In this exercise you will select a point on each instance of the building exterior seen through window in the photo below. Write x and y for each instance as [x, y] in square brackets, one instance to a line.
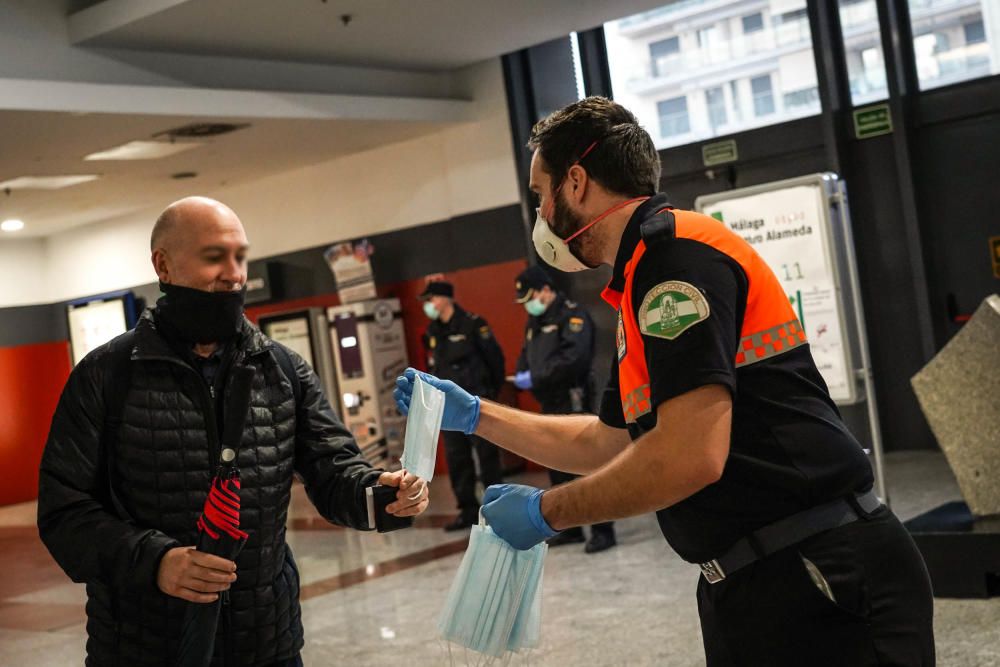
[955, 40]
[696, 69]
[863, 48]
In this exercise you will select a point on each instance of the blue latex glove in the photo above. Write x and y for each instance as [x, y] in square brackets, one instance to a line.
[461, 409]
[522, 380]
[514, 512]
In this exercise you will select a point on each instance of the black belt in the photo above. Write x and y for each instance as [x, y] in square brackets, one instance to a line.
[789, 531]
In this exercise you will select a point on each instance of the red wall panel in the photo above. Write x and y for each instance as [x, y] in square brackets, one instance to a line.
[31, 380]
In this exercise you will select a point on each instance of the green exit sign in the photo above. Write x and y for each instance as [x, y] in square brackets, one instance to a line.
[720, 152]
[872, 121]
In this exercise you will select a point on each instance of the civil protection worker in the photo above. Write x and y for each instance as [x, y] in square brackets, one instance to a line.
[715, 418]
[555, 365]
[461, 347]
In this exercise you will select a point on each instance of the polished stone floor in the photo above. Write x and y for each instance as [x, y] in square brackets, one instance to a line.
[374, 599]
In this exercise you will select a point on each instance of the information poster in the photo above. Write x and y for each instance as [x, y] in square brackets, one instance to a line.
[351, 265]
[789, 228]
[94, 324]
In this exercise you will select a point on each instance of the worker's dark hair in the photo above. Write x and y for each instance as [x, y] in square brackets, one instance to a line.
[623, 160]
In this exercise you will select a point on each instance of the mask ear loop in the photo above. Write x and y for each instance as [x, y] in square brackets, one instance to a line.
[596, 220]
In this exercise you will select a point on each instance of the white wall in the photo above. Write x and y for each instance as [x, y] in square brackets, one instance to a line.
[34, 44]
[23, 272]
[461, 169]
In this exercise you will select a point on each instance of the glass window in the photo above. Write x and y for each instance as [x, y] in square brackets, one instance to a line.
[863, 50]
[661, 52]
[763, 98]
[715, 100]
[975, 32]
[734, 96]
[804, 98]
[955, 40]
[753, 23]
[673, 117]
[574, 43]
[714, 40]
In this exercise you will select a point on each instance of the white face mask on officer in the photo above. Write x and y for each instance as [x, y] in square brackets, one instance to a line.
[554, 250]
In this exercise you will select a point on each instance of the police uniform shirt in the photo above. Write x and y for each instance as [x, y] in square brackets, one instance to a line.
[558, 350]
[686, 323]
[464, 350]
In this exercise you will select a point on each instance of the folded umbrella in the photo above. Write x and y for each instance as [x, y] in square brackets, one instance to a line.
[219, 531]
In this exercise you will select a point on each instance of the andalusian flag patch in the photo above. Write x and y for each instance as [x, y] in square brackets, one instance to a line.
[671, 308]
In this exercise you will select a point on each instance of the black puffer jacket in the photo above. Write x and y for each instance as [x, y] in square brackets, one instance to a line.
[164, 457]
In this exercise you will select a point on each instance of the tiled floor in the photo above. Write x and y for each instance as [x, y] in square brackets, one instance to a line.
[374, 599]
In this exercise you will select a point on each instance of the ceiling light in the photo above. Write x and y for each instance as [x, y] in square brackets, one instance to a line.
[11, 225]
[143, 150]
[46, 182]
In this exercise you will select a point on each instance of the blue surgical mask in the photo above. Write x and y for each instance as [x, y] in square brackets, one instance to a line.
[535, 307]
[423, 426]
[430, 311]
[494, 605]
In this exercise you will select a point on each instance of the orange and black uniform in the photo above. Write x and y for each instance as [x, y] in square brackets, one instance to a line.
[698, 306]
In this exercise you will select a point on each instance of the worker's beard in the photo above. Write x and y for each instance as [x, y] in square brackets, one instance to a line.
[567, 222]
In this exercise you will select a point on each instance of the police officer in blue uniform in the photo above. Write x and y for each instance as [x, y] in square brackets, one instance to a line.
[555, 365]
[461, 347]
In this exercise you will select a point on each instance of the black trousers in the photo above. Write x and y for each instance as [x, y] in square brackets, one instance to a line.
[560, 477]
[462, 468]
[774, 613]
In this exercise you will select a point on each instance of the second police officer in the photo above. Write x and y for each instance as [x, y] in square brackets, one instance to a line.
[460, 346]
[555, 365]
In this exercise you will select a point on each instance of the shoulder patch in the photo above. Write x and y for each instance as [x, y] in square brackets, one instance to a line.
[484, 331]
[576, 324]
[671, 308]
[432, 342]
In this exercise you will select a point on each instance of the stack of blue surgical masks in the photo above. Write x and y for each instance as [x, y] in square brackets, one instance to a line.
[423, 426]
[495, 603]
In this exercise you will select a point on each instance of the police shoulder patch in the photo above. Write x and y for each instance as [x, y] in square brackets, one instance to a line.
[671, 308]
[576, 324]
[484, 331]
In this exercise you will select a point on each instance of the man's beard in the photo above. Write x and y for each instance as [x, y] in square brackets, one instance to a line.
[567, 222]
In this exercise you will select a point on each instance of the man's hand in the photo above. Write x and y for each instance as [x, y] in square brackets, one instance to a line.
[191, 575]
[413, 495]
[461, 409]
[514, 513]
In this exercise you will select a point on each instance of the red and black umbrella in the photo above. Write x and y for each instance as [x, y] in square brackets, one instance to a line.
[219, 531]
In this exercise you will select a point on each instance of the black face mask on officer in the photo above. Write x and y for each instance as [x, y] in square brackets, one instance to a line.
[197, 316]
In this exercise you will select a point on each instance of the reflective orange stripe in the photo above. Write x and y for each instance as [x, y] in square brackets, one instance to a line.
[774, 341]
[770, 326]
[636, 404]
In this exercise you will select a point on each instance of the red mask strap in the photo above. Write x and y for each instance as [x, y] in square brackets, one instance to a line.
[596, 220]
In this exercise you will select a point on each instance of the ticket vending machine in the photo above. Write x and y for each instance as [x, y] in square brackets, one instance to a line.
[305, 332]
[370, 352]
